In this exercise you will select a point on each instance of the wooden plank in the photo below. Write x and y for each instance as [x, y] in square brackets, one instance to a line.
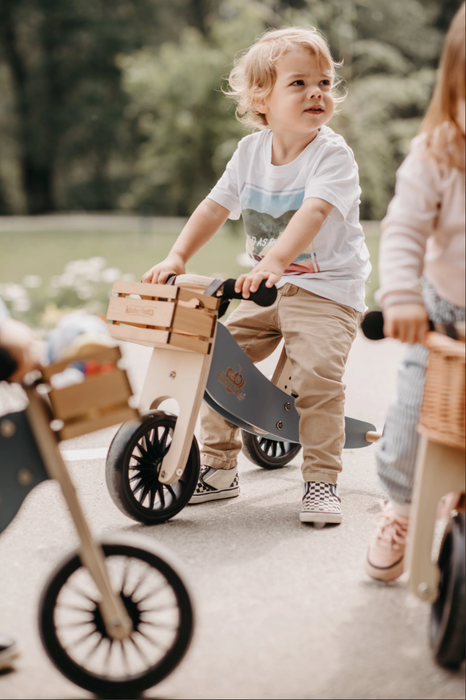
[189, 342]
[108, 354]
[92, 394]
[105, 420]
[195, 321]
[208, 302]
[162, 291]
[142, 336]
[141, 311]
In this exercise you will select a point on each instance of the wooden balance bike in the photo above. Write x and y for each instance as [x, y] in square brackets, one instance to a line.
[440, 470]
[115, 617]
[152, 468]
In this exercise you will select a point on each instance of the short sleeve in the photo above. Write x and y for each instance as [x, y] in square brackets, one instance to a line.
[225, 191]
[335, 180]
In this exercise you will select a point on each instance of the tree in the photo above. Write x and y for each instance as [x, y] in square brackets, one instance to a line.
[66, 86]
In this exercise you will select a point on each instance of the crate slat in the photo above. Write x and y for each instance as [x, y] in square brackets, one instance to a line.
[163, 291]
[141, 311]
[95, 392]
[143, 336]
[110, 354]
[189, 342]
[82, 427]
[208, 302]
[194, 321]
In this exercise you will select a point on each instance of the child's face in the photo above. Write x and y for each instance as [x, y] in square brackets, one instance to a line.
[301, 100]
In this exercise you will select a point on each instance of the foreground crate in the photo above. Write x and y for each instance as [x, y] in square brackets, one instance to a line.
[101, 400]
[158, 315]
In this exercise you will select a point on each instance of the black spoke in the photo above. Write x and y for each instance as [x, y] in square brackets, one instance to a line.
[160, 625]
[139, 650]
[107, 656]
[151, 593]
[76, 608]
[93, 649]
[161, 494]
[150, 640]
[80, 640]
[125, 656]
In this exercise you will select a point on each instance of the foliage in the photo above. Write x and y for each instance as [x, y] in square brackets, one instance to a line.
[188, 132]
[120, 104]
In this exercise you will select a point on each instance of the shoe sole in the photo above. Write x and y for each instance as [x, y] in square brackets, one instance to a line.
[8, 657]
[214, 496]
[390, 573]
[321, 518]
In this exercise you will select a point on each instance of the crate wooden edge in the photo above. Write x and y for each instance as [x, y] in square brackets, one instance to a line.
[83, 427]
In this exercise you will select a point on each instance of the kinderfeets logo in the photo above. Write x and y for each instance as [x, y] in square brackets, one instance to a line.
[232, 381]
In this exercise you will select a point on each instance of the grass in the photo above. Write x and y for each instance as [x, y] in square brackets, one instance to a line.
[37, 260]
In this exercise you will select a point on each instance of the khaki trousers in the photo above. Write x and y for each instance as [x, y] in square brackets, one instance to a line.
[318, 334]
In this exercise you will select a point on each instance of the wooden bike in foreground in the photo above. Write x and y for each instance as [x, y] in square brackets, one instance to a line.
[115, 616]
[152, 469]
[440, 470]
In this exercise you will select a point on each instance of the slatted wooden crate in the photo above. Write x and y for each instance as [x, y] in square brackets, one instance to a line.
[97, 402]
[443, 409]
[159, 315]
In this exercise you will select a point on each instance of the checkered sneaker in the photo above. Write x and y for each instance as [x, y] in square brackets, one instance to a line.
[215, 484]
[320, 503]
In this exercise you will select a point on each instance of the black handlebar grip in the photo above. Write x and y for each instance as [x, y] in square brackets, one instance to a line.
[7, 365]
[372, 325]
[265, 296]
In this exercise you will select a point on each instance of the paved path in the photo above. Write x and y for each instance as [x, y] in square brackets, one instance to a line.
[283, 610]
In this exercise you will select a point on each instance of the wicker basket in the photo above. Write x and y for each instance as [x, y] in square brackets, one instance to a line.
[442, 417]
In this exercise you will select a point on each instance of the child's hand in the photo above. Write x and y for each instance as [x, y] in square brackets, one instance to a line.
[23, 344]
[173, 265]
[265, 270]
[406, 322]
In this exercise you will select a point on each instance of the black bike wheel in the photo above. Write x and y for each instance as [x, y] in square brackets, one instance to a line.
[267, 453]
[447, 620]
[133, 465]
[74, 635]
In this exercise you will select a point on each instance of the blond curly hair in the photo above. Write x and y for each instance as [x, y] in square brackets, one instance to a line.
[254, 73]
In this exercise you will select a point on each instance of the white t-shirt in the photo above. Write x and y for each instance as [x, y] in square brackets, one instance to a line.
[336, 264]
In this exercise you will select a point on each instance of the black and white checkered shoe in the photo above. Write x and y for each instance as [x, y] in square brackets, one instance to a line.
[215, 484]
[320, 504]
[8, 653]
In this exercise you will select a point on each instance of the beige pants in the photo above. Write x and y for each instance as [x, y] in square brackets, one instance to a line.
[318, 334]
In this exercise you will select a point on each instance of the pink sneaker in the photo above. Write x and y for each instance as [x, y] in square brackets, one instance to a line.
[387, 549]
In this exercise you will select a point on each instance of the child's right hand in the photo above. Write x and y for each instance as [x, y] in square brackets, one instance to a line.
[406, 322]
[173, 265]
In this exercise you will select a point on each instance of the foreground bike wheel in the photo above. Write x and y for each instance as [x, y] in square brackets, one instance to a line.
[267, 453]
[74, 634]
[447, 620]
[133, 465]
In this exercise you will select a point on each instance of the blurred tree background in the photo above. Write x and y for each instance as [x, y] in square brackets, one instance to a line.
[118, 105]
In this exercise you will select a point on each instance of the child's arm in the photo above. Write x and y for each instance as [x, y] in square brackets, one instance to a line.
[200, 228]
[300, 232]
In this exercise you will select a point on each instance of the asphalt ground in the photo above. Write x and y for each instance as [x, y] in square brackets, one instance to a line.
[282, 610]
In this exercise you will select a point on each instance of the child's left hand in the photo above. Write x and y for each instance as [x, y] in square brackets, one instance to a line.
[268, 270]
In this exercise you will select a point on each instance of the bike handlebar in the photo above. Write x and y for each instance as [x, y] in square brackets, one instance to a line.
[265, 296]
[372, 327]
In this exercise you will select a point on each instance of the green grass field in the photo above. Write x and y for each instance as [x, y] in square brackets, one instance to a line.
[45, 273]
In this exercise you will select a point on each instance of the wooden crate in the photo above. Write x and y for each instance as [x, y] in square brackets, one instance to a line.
[99, 401]
[443, 408]
[159, 315]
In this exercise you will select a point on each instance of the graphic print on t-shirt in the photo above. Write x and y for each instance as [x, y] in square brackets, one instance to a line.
[266, 214]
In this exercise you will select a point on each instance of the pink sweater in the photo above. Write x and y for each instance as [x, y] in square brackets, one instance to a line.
[423, 232]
